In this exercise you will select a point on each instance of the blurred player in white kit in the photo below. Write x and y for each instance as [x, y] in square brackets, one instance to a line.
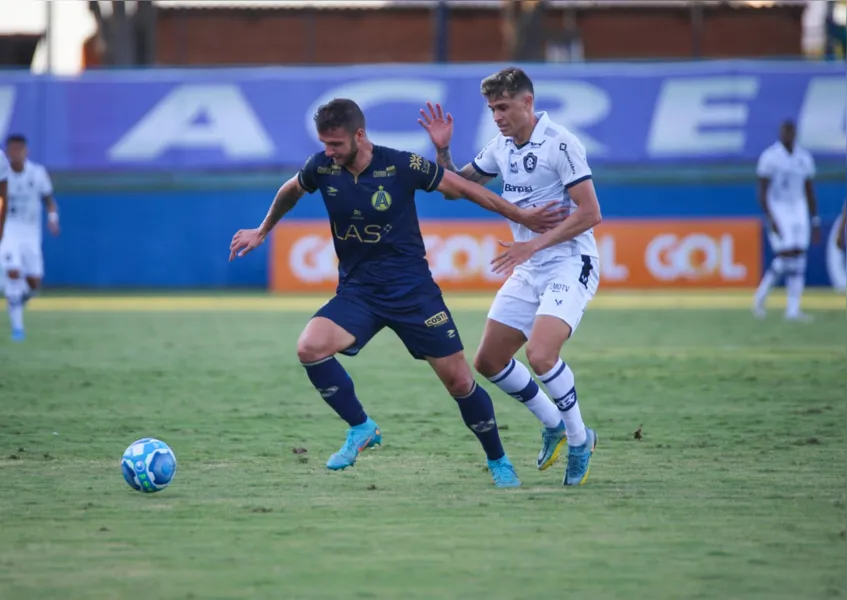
[29, 189]
[4, 186]
[787, 196]
[554, 275]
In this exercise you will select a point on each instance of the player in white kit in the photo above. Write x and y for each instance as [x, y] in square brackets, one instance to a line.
[4, 186]
[20, 249]
[554, 275]
[787, 197]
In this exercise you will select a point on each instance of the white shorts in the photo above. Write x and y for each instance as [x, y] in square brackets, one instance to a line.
[561, 290]
[23, 254]
[795, 232]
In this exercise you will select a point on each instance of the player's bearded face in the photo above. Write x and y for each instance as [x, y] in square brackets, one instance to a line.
[341, 147]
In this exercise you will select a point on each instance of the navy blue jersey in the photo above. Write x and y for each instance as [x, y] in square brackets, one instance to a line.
[374, 223]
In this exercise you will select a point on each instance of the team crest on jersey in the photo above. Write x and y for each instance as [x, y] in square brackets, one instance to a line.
[529, 162]
[381, 200]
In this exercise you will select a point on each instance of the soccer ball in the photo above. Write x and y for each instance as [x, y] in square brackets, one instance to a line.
[148, 465]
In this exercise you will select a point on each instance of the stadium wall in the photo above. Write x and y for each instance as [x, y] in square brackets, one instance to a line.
[180, 239]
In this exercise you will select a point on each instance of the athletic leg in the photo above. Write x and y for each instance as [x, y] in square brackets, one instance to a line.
[16, 287]
[340, 326]
[430, 333]
[795, 272]
[509, 324]
[563, 304]
[477, 412]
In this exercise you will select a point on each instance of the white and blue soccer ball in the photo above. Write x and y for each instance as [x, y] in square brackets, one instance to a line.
[148, 465]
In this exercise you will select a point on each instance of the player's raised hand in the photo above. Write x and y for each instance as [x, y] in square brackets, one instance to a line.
[438, 126]
[516, 253]
[244, 241]
[543, 218]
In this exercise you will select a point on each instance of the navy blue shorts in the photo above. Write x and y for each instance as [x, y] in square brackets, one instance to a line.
[428, 330]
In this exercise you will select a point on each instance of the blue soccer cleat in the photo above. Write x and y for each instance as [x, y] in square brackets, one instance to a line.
[366, 435]
[552, 440]
[503, 472]
[18, 335]
[579, 460]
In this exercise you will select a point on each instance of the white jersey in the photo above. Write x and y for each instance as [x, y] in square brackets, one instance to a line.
[540, 171]
[788, 174]
[26, 205]
[4, 167]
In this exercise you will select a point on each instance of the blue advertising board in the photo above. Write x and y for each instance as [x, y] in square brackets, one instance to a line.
[218, 119]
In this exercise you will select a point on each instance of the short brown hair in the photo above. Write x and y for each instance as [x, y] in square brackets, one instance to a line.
[340, 113]
[507, 83]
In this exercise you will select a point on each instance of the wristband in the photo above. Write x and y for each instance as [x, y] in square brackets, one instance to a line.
[53, 217]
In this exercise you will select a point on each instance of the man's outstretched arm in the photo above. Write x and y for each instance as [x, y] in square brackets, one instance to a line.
[538, 219]
[246, 240]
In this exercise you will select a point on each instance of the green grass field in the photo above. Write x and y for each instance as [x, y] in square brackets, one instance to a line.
[737, 490]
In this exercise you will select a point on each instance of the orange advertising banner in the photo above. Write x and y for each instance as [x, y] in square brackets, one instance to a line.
[633, 254]
[680, 253]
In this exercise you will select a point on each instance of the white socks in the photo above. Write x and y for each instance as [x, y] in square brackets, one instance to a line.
[517, 381]
[559, 381]
[795, 281]
[794, 269]
[771, 278]
[15, 290]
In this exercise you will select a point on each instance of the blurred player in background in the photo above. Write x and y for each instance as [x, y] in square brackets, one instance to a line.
[841, 236]
[787, 197]
[555, 274]
[384, 278]
[4, 186]
[20, 249]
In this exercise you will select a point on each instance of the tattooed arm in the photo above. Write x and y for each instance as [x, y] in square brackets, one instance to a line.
[445, 159]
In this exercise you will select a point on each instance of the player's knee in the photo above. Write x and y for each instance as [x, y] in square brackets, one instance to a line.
[311, 349]
[460, 385]
[33, 282]
[13, 274]
[541, 359]
[486, 364]
[457, 378]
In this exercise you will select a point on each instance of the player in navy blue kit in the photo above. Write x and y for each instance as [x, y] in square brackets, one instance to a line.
[383, 277]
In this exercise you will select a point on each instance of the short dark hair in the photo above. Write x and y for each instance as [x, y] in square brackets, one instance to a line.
[15, 137]
[507, 83]
[340, 113]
